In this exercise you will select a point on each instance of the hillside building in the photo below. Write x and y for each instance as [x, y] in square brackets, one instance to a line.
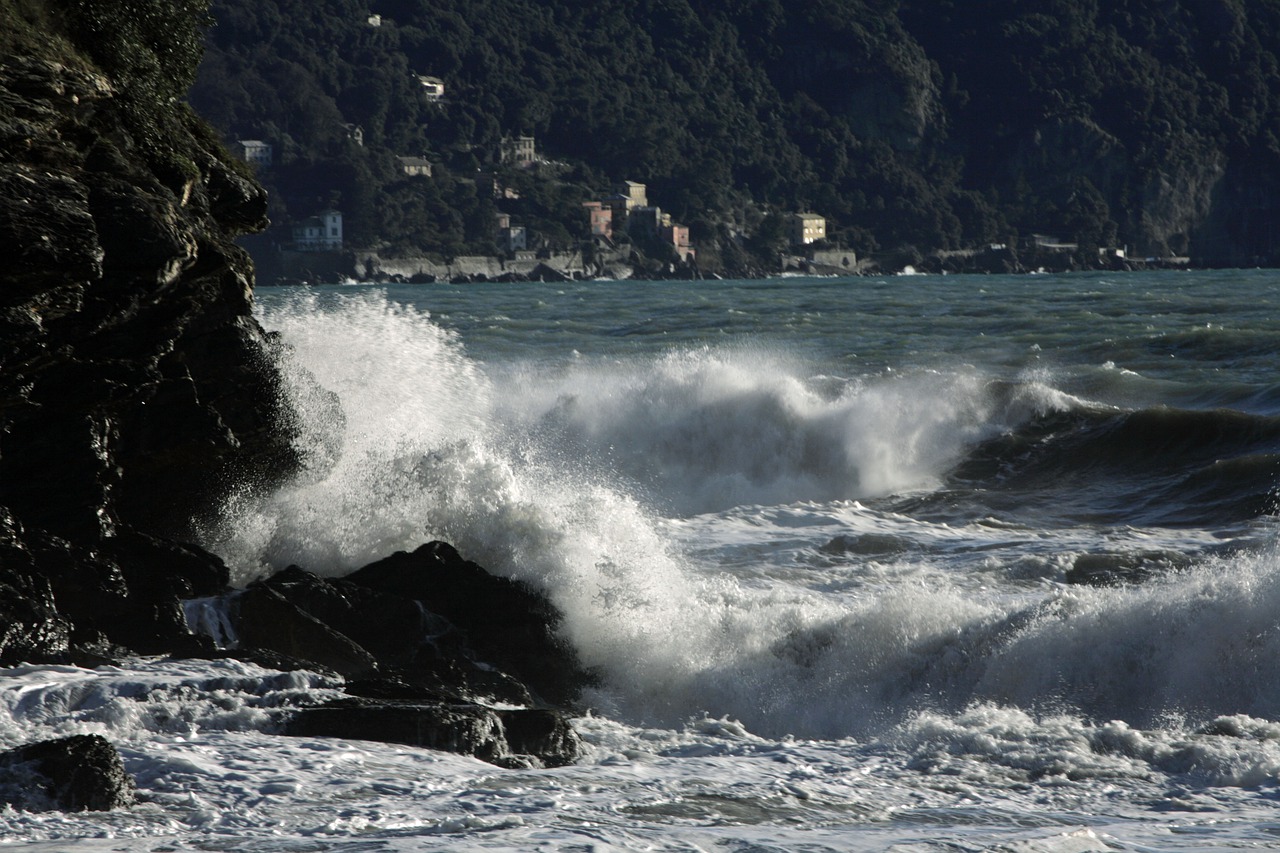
[254, 151]
[806, 228]
[635, 194]
[678, 237]
[415, 166]
[319, 233]
[521, 151]
[600, 219]
[432, 87]
[510, 238]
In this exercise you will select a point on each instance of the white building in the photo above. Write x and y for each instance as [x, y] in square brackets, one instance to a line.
[319, 233]
[432, 87]
[254, 151]
[415, 166]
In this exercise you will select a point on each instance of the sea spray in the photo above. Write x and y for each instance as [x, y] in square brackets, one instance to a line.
[560, 475]
[705, 429]
[375, 387]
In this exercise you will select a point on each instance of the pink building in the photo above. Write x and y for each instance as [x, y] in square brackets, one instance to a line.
[678, 235]
[601, 218]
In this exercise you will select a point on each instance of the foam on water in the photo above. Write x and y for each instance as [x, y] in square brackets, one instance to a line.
[557, 476]
[701, 430]
[195, 736]
[792, 661]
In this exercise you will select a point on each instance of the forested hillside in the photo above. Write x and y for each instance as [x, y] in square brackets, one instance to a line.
[910, 125]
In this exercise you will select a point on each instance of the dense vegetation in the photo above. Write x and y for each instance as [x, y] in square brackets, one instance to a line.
[911, 125]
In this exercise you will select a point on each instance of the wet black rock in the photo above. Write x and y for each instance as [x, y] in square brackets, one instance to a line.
[135, 386]
[266, 620]
[80, 773]
[522, 737]
[507, 624]
[429, 642]
[429, 620]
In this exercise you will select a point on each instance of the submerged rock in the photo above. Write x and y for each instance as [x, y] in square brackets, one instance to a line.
[80, 773]
[1123, 568]
[521, 737]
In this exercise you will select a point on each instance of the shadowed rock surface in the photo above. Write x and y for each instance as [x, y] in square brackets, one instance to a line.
[137, 391]
[426, 638]
[135, 385]
[75, 774]
[522, 737]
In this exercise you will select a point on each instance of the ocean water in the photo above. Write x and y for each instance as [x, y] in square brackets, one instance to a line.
[823, 540]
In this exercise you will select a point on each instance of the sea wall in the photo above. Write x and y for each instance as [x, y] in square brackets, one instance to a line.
[472, 267]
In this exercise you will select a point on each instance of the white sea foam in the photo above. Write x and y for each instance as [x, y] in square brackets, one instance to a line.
[425, 442]
[536, 473]
[965, 697]
[193, 736]
[707, 429]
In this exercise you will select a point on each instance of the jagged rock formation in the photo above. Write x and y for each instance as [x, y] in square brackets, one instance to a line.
[428, 642]
[137, 389]
[135, 385]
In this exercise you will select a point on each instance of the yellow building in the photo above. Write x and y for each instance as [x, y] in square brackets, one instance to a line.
[806, 228]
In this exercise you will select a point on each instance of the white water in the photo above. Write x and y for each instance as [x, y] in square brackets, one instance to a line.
[787, 663]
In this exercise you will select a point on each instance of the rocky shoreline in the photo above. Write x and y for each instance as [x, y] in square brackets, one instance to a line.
[321, 268]
[137, 389]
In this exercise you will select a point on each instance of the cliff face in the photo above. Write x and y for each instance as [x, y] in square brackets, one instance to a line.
[134, 382]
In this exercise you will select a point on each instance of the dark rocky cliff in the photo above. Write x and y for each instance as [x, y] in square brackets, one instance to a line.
[137, 390]
[134, 382]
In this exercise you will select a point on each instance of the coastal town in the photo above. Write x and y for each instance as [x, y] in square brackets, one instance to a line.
[619, 231]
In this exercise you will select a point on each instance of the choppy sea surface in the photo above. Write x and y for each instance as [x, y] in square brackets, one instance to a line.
[891, 564]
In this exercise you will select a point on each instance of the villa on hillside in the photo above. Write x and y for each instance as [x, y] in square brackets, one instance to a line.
[253, 151]
[806, 228]
[432, 87]
[521, 151]
[319, 233]
[415, 166]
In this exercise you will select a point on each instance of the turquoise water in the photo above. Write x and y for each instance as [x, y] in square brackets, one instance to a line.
[1212, 321]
